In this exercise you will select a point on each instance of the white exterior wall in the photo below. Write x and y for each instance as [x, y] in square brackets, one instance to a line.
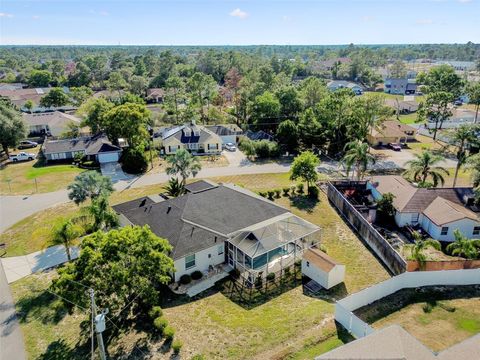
[327, 280]
[202, 261]
[465, 226]
[403, 219]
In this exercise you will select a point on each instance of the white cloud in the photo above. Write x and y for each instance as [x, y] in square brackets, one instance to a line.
[239, 13]
[6, 15]
[424, 22]
[104, 13]
[35, 17]
[368, 18]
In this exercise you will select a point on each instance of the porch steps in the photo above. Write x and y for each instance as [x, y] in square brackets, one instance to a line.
[206, 284]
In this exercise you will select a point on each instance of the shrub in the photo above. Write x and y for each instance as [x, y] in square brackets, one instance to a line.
[300, 188]
[155, 312]
[427, 308]
[134, 160]
[271, 276]
[262, 148]
[185, 279]
[169, 333]
[258, 282]
[286, 191]
[262, 194]
[235, 273]
[196, 275]
[278, 193]
[298, 263]
[177, 346]
[198, 357]
[270, 193]
[313, 192]
[286, 271]
[292, 189]
[160, 324]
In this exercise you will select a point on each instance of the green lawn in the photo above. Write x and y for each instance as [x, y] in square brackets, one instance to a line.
[29, 177]
[290, 326]
[408, 118]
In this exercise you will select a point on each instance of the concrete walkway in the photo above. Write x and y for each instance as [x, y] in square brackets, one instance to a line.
[17, 267]
[11, 338]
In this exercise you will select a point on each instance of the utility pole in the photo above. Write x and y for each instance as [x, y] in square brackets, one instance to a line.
[99, 324]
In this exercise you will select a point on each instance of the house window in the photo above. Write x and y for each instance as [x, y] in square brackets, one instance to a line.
[189, 261]
[308, 264]
[220, 249]
[476, 230]
[444, 230]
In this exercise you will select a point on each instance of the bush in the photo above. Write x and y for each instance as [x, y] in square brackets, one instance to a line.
[298, 263]
[286, 271]
[196, 275]
[198, 357]
[177, 346]
[278, 192]
[258, 282]
[286, 191]
[313, 192]
[271, 276]
[169, 333]
[160, 324]
[155, 312]
[300, 188]
[293, 188]
[185, 279]
[427, 308]
[262, 194]
[271, 194]
[134, 160]
[235, 273]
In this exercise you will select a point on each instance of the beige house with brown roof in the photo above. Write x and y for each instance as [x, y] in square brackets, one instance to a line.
[438, 211]
[56, 123]
[197, 139]
[391, 131]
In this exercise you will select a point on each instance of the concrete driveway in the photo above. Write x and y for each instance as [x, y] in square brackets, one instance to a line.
[236, 158]
[388, 159]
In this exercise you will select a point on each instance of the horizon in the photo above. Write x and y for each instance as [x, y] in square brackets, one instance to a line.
[238, 23]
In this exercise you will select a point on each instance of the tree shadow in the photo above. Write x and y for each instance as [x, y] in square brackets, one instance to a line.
[43, 306]
[331, 295]
[61, 350]
[304, 202]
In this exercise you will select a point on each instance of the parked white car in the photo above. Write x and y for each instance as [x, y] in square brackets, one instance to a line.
[230, 147]
[23, 156]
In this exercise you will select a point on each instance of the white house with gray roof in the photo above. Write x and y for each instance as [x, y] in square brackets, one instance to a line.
[197, 139]
[438, 211]
[215, 224]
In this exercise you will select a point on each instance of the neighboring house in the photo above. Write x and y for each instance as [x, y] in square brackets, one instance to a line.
[329, 64]
[400, 86]
[391, 131]
[229, 133]
[155, 95]
[438, 211]
[258, 135]
[12, 86]
[321, 268]
[458, 65]
[20, 96]
[404, 106]
[343, 84]
[197, 139]
[216, 224]
[54, 123]
[395, 343]
[97, 148]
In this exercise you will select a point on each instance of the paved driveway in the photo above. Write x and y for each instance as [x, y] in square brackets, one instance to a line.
[236, 158]
[387, 158]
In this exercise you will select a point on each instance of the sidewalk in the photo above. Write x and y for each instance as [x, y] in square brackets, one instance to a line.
[17, 267]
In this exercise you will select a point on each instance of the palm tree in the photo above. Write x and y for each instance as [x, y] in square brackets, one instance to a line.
[464, 247]
[89, 185]
[103, 216]
[423, 167]
[474, 166]
[184, 164]
[64, 233]
[421, 245]
[463, 135]
[357, 153]
[174, 188]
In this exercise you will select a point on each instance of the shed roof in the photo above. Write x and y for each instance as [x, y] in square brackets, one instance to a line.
[320, 259]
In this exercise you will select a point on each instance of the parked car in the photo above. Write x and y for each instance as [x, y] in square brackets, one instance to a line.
[230, 147]
[458, 102]
[23, 156]
[27, 144]
[395, 146]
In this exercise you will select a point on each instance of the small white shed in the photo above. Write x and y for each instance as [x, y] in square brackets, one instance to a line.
[321, 268]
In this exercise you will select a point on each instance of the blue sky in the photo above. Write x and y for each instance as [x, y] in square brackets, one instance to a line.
[241, 22]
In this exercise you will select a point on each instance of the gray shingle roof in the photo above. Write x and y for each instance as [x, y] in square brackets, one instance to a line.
[198, 220]
[180, 133]
[91, 145]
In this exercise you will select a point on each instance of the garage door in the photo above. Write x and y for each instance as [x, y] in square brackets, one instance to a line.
[107, 157]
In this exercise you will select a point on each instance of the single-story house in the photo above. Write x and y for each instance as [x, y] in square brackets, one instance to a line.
[391, 131]
[403, 106]
[438, 211]
[20, 96]
[395, 343]
[56, 123]
[258, 135]
[155, 95]
[197, 139]
[400, 86]
[223, 224]
[97, 148]
[321, 268]
[343, 84]
[229, 133]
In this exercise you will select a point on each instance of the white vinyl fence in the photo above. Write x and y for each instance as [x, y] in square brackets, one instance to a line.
[344, 308]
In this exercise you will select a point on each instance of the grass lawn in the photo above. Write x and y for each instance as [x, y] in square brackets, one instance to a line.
[408, 118]
[22, 177]
[290, 326]
[455, 312]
